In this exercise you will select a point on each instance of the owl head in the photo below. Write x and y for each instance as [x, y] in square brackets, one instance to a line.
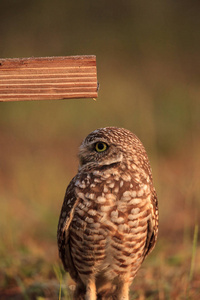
[109, 146]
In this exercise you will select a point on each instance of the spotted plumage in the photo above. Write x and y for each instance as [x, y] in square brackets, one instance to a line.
[109, 219]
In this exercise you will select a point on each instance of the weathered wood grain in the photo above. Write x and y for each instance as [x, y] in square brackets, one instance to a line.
[48, 78]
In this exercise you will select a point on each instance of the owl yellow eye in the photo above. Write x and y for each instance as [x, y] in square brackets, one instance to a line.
[100, 147]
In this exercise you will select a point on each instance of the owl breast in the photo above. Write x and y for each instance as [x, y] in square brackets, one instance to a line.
[109, 228]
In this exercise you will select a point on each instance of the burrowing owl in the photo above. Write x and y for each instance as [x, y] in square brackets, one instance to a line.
[109, 219]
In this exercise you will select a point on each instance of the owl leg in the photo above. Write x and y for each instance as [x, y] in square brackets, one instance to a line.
[79, 293]
[91, 290]
[122, 292]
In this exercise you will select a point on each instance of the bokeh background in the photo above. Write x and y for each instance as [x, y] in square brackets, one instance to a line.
[148, 66]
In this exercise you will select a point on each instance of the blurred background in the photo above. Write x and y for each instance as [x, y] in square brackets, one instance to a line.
[148, 66]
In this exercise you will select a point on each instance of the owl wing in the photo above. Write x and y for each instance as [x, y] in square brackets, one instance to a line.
[152, 226]
[66, 216]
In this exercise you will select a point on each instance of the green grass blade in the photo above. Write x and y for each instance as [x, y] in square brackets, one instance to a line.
[194, 248]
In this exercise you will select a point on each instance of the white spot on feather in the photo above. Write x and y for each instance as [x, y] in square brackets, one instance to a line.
[126, 177]
[135, 201]
[135, 211]
[92, 212]
[101, 200]
[105, 189]
[140, 193]
[121, 183]
[111, 185]
[105, 208]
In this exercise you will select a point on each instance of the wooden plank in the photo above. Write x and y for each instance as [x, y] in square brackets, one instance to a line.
[48, 78]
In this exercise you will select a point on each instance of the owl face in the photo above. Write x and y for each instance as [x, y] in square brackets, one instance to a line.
[106, 146]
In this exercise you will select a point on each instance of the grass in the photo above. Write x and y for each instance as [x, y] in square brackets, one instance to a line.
[194, 250]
